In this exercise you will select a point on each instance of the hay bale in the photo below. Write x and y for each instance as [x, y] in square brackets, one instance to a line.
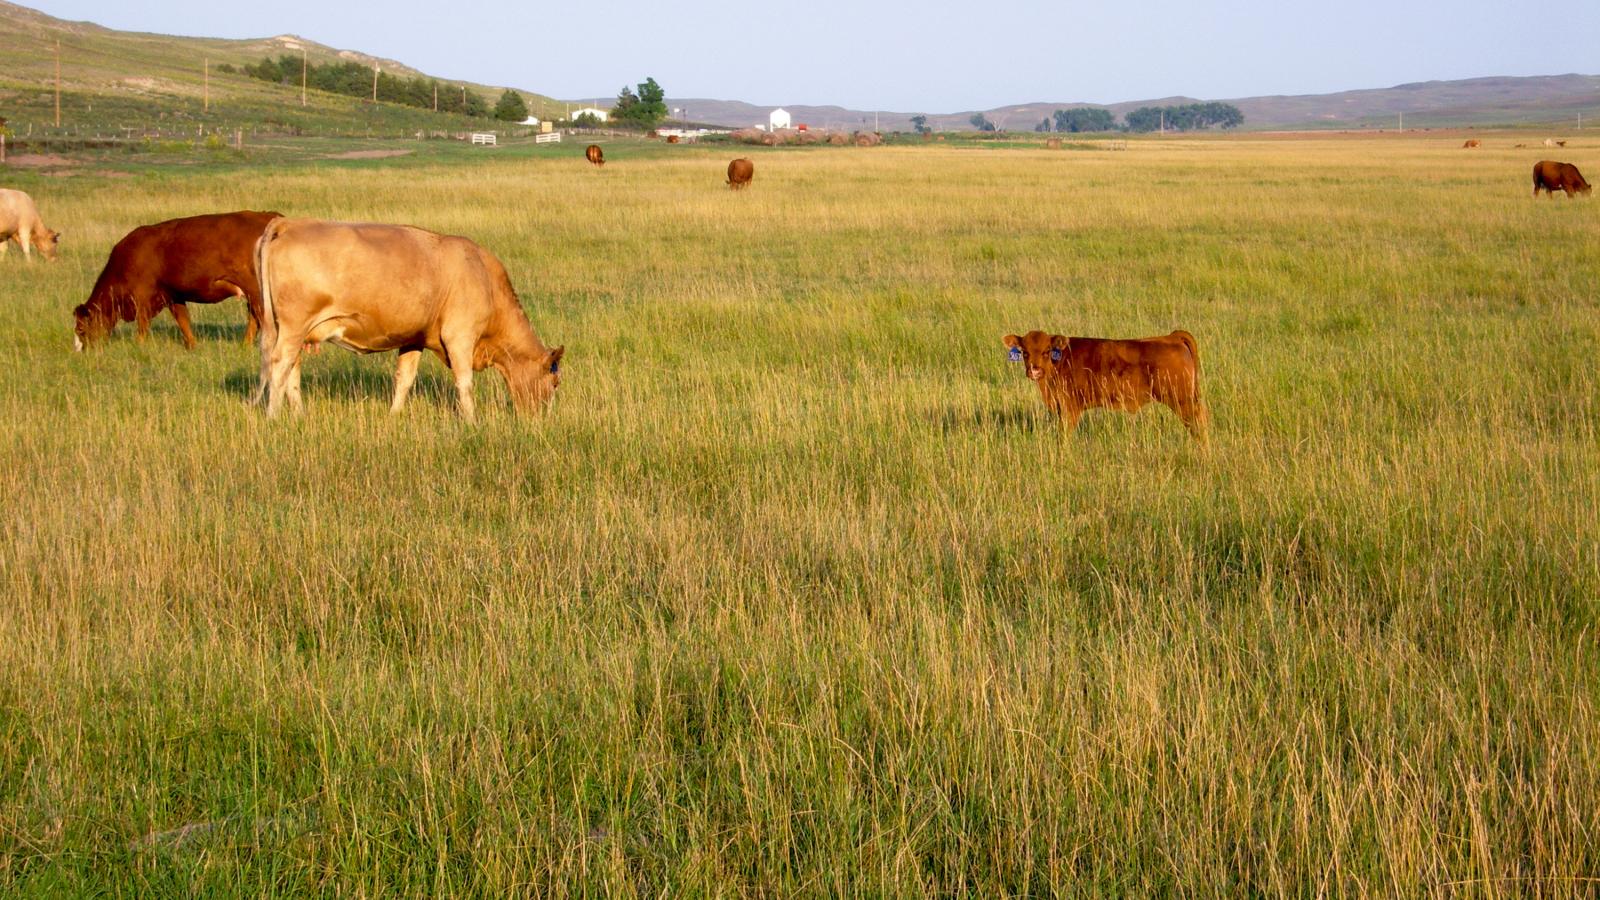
[867, 139]
[1053, 144]
[838, 139]
[748, 135]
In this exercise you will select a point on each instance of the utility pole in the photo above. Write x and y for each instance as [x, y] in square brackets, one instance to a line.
[1402, 121]
[374, 82]
[302, 76]
[207, 65]
[58, 84]
[436, 96]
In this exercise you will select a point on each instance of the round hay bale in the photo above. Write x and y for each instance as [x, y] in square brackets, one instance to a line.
[867, 139]
[838, 139]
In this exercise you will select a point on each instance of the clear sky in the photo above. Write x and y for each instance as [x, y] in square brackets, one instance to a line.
[937, 56]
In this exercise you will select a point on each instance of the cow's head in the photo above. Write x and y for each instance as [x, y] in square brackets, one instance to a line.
[88, 326]
[534, 384]
[1037, 351]
[45, 242]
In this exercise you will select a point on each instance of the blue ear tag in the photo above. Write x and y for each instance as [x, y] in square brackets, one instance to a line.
[555, 367]
[1055, 355]
[1015, 355]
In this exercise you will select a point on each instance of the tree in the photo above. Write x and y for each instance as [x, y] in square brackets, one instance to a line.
[645, 108]
[1084, 118]
[1189, 117]
[1043, 126]
[511, 108]
[981, 122]
[920, 123]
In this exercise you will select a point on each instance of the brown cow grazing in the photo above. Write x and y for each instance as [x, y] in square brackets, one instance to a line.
[1552, 176]
[1469, 145]
[20, 222]
[375, 288]
[595, 155]
[1075, 374]
[199, 259]
[740, 171]
[672, 139]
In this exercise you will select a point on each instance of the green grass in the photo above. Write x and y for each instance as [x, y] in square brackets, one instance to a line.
[796, 589]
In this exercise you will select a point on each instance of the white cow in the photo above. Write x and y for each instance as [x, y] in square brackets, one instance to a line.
[19, 221]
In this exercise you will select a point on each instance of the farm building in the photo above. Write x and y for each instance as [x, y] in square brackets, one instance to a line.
[595, 111]
[531, 120]
[778, 119]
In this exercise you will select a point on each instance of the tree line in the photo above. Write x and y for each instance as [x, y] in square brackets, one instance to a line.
[1190, 117]
[354, 79]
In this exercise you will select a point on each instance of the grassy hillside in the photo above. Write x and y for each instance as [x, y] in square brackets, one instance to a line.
[796, 589]
[112, 79]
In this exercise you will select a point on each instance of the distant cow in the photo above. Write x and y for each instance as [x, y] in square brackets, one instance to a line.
[1052, 144]
[595, 155]
[1470, 145]
[1549, 142]
[1075, 374]
[1552, 176]
[199, 259]
[20, 222]
[740, 171]
[672, 139]
[375, 288]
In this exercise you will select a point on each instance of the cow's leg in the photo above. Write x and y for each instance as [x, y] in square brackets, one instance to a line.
[1192, 412]
[180, 313]
[458, 352]
[252, 308]
[25, 239]
[1069, 418]
[405, 374]
[282, 360]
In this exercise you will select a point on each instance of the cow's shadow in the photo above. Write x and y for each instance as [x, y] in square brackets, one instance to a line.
[352, 378]
[216, 331]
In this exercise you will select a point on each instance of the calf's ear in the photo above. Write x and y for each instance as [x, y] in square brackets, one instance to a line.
[1011, 340]
[1059, 341]
[555, 357]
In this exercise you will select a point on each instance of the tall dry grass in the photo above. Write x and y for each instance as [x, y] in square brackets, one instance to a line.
[796, 589]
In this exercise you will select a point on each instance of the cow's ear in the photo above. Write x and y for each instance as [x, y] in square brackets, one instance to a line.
[555, 358]
[1059, 341]
[1011, 341]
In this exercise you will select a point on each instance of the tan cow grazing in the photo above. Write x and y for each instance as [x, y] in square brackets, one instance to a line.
[1052, 144]
[20, 222]
[1075, 374]
[740, 171]
[1552, 176]
[1470, 145]
[168, 265]
[594, 154]
[375, 288]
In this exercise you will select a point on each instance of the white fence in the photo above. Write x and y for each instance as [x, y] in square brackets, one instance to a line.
[553, 137]
[486, 139]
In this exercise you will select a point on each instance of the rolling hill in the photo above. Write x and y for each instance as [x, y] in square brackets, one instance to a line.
[113, 79]
[116, 79]
[1475, 102]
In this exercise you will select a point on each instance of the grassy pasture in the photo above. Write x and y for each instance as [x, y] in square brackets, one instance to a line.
[795, 589]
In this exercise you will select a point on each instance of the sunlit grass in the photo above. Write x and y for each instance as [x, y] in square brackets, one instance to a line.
[796, 587]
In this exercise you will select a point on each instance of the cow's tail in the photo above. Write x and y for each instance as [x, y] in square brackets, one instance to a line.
[1188, 341]
[269, 315]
